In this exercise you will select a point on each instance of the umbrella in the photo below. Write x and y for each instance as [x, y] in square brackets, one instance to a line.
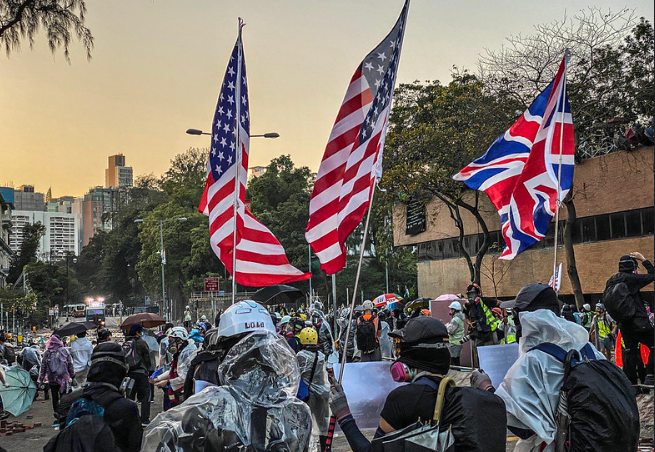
[386, 299]
[278, 294]
[147, 319]
[423, 302]
[448, 297]
[75, 328]
[19, 395]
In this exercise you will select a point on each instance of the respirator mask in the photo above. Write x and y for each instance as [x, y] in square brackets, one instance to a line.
[401, 373]
[173, 347]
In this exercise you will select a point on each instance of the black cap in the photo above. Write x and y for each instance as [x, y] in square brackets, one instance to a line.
[422, 329]
[627, 264]
[135, 328]
[535, 296]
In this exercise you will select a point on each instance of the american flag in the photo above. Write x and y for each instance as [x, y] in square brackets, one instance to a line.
[519, 172]
[353, 156]
[261, 259]
[556, 280]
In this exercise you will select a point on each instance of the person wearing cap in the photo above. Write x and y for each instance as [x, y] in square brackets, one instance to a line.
[606, 329]
[638, 329]
[455, 332]
[585, 316]
[531, 386]
[187, 317]
[478, 424]
[107, 371]
[139, 373]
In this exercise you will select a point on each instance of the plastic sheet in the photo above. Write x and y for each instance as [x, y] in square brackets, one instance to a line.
[255, 409]
[319, 388]
[367, 385]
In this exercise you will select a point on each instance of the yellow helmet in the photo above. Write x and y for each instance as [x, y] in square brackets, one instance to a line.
[303, 316]
[9, 336]
[308, 336]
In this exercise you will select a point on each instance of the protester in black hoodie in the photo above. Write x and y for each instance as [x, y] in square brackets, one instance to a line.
[105, 376]
[638, 330]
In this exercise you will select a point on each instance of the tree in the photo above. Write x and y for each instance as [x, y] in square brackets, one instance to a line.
[435, 131]
[32, 234]
[610, 75]
[60, 19]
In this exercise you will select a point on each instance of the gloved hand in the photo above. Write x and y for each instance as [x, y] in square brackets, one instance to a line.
[338, 402]
[480, 379]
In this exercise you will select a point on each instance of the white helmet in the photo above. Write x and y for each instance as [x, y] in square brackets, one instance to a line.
[455, 305]
[179, 332]
[245, 317]
[368, 305]
[586, 307]
[285, 319]
[187, 307]
[203, 318]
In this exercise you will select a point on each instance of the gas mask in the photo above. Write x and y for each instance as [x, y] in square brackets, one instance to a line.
[173, 347]
[401, 373]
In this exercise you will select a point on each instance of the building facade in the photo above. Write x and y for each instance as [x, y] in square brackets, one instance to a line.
[97, 208]
[6, 206]
[117, 175]
[60, 238]
[25, 198]
[613, 196]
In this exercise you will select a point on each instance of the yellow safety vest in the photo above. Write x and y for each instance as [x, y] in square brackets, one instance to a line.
[489, 317]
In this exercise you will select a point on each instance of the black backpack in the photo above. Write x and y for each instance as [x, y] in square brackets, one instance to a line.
[85, 428]
[366, 332]
[619, 302]
[601, 402]
[132, 358]
[10, 353]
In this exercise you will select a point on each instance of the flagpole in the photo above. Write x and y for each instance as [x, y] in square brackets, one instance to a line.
[237, 163]
[559, 166]
[359, 268]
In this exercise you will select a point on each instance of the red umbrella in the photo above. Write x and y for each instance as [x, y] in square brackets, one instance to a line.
[386, 299]
[147, 319]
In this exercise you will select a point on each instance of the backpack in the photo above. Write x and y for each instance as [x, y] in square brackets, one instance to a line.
[132, 358]
[619, 302]
[86, 429]
[58, 364]
[366, 331]
[10, 353]
[602, 409]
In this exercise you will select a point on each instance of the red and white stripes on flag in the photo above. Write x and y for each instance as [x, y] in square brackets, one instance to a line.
[353, 156]
[261, 259]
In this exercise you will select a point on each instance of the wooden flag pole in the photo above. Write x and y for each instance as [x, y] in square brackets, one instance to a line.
[359, 268]
[237, 164]
[567, 54]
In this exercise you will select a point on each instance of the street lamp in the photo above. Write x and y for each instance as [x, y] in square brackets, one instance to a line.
[265, 135]
[68, 300]
[162, 253]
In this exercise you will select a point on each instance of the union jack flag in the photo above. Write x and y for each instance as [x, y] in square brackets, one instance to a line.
[520, 171]
[353, 156]
[260, 259]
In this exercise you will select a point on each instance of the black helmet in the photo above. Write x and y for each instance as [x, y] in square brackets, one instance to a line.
[108, 352]
[103, 334]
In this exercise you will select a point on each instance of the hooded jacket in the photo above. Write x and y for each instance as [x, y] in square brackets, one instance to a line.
[531, 386]
[635, 282]
[55, 351]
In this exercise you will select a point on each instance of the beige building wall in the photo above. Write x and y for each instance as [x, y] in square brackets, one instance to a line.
[612, 183]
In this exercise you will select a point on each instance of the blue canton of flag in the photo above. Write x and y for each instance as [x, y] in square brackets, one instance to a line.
[224, 145]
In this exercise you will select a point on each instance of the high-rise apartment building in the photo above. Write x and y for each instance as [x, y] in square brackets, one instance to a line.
[97, 207]
[6, 204]
[117, 175]
[60, 238]
[25, 198]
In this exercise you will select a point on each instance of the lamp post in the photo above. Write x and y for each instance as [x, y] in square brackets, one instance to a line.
[264, 135]
[162, 253]
[68, 300]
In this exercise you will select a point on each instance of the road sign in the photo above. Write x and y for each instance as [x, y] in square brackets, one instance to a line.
[221, 293]
[51, 312]
[211, 284]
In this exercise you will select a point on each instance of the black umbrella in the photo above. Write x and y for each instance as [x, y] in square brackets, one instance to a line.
[422, 302]
[278, 294]
[75, 328]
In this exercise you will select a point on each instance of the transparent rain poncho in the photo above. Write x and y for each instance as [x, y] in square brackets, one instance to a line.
[319, 387]
[255, 410]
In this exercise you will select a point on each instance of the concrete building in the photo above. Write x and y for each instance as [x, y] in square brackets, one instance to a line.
[60, 238]
[6, 206]
[25, 198]
[97, 207]
[614, 201]
[63, 204]
[117, 175]
[256, 171]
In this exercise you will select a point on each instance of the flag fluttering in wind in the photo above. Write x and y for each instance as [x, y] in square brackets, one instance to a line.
[353, 156]
[520, 172]
[556, 280]
[260, 259]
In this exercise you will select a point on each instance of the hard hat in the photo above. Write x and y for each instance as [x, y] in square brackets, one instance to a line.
[9, 336]
[586, 307]
[426, 312]
[308, 336]
[474, 288]
[203, 318]
[187, 307]
[497, 311]
[455, 305]
[303, 316]
[108, 352]
[179, 332]
[245, 317]
[285, 319]
[278, 316]
[600, 307]
[368, 305]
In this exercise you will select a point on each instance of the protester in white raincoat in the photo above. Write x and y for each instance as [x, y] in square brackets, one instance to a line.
[531, 387]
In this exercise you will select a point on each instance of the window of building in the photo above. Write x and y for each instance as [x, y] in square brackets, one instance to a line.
[588, 226]
[617, 223]
[633, 223]
[647, 221]
[603, 227]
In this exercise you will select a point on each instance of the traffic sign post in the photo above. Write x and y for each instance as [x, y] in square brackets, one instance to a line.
[211, 286]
